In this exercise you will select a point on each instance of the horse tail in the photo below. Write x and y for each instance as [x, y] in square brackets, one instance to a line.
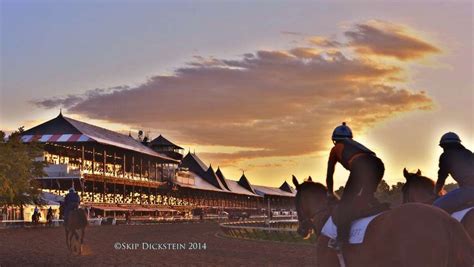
[462, 248]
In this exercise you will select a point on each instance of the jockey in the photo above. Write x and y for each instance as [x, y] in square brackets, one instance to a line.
[459, 162]
[71, 202]
[366, 171]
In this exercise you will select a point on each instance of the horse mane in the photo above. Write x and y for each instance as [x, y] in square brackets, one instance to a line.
[313, 187]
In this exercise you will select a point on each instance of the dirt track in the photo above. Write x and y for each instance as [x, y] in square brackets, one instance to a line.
[46, 247]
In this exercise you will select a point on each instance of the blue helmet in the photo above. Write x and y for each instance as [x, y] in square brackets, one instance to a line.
[341, 132]
[449, 137]
[72, 190]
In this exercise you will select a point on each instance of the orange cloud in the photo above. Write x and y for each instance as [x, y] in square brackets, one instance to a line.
[386, 39]
[275, 103]
[324, 42]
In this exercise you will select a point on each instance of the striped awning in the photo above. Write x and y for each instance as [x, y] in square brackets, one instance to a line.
[56, 138]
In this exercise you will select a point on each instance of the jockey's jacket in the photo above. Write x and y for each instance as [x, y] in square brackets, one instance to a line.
[459, 162]
[344, 152]
[72, 199]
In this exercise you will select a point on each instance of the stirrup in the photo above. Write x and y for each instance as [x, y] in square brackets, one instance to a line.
[335, 244]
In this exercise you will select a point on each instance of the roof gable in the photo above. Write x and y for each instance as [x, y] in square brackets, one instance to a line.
[221, 177]
[161, 141]
[244, 182]
[56, 126]
[286, 187]
[194, 164]
[212, 178]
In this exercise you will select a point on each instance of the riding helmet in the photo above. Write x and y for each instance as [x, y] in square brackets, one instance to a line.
[341, 132]
[449, 137]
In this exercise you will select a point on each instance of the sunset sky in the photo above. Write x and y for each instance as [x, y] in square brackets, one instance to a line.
[248, 86]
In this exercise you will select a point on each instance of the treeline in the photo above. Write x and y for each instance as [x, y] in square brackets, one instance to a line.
[393, 194]
[18, 170]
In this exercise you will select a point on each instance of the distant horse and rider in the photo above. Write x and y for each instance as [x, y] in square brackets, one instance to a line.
[75, 219]
[35, 217]
[393, 237]
[50, 216]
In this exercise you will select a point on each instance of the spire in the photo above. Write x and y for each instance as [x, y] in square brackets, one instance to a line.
[60, 113]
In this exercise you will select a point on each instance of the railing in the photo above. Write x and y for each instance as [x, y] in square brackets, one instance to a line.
[55, 223]
[282, 231]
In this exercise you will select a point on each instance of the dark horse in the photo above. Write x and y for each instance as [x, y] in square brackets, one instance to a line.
[419, 188]
[35, 217]
[412, 235]
[77, 220]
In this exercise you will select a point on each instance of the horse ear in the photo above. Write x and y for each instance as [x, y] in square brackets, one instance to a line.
[418, 172]
[406, 174]
[310, 179]
[295, 182]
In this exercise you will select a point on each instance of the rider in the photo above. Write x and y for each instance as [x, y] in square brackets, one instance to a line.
[366, 171]
[49, 216]
[71, 202]
[459, 162]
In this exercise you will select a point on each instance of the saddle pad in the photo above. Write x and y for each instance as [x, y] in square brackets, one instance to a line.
[358, 228]
[458, 215]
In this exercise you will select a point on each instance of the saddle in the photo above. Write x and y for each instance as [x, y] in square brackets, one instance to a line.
[463, 206]
[374, 208]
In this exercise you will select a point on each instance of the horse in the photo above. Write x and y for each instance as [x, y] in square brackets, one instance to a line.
[419, 188]
[76, 220]
[35, 217]
[49, 218]
[410, 235]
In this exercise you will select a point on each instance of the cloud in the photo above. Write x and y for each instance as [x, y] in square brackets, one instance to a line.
[71, 100]
[276, 103]
[292, 33]
[324, 42]
[386, 39]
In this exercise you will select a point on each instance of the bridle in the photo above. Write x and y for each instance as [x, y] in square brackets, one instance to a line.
[311, 221]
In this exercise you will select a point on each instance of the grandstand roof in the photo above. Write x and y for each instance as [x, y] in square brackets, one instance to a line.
[63, 130]
[207, 179]
[161, 141]
[267, 190]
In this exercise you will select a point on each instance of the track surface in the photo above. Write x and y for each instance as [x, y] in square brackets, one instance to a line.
[46, 247]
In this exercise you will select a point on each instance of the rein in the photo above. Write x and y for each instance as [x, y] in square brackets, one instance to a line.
[311, 221]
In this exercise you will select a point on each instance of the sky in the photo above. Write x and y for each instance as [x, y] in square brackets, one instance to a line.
[254, 86]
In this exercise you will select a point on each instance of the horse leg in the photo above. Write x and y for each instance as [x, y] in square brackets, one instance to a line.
[72, 233]
[83, 232]
[67, 238]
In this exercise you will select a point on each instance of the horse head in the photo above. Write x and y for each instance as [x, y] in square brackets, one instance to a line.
[418, 188]
[312, 206]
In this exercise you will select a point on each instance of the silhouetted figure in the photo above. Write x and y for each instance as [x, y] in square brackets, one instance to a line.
[366, 172]
[71, 202]
[458, 162]
[50, 215]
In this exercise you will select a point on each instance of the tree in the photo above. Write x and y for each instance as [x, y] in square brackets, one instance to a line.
[392, 195]
[18, 170]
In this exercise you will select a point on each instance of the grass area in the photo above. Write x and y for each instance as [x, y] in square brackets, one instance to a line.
[257, 232]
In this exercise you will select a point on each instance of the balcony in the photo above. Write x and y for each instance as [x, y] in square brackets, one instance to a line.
[62, 171]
